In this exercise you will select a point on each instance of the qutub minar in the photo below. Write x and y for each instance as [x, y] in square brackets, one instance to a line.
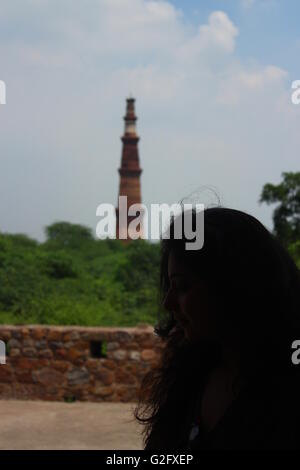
[129, 171]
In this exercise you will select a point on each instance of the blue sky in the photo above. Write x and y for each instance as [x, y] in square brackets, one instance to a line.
[269, 30]
[212, 80]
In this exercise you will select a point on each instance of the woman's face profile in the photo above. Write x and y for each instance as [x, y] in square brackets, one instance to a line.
[189, 300]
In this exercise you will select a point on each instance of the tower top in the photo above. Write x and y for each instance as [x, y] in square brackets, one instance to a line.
[130, 119]
[130, 116]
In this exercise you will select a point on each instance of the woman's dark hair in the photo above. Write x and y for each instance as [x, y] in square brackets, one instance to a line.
[256, 286]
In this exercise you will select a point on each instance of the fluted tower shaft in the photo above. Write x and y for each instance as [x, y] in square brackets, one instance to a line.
[129, 170]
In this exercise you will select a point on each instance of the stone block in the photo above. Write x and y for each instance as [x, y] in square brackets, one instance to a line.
[47, 353]
[39, 333]
[55, 335]
[6, 374]
[48, 377]
[14, 343]
[29, 352]
[103, 391]
[14, 352]
[105, 376]
[112, 345]
[78, 376]
[134, 355]
[119, 354]
[148, 355]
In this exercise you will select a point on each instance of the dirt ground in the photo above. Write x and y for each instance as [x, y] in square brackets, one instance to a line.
[39, 425]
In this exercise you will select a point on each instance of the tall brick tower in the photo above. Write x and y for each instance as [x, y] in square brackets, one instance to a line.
[129, 171]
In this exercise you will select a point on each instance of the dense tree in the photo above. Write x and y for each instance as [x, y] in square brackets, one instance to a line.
[286, 216]
[67, 234]
[73, 278]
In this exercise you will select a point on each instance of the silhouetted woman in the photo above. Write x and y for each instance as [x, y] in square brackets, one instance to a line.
[230, 313]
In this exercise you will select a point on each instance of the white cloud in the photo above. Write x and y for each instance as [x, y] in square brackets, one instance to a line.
[219, 32]
[242, 83]
[218, 35]
[203, 112]
[125, 27]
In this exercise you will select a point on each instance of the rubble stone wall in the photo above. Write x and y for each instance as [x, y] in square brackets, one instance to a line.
[76, 363]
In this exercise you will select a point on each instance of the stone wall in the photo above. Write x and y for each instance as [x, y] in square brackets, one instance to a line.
[76, 363]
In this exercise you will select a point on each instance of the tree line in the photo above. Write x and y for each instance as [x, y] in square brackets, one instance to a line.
[74, 279]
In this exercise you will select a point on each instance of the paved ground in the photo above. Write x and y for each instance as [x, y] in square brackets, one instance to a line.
[79, 425]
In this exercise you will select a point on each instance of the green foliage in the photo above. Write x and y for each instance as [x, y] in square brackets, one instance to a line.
[65, 234]
[286, 216]
[145, 258]
[59, 265]
[77, 280]
[73, 279]
[294, 250]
